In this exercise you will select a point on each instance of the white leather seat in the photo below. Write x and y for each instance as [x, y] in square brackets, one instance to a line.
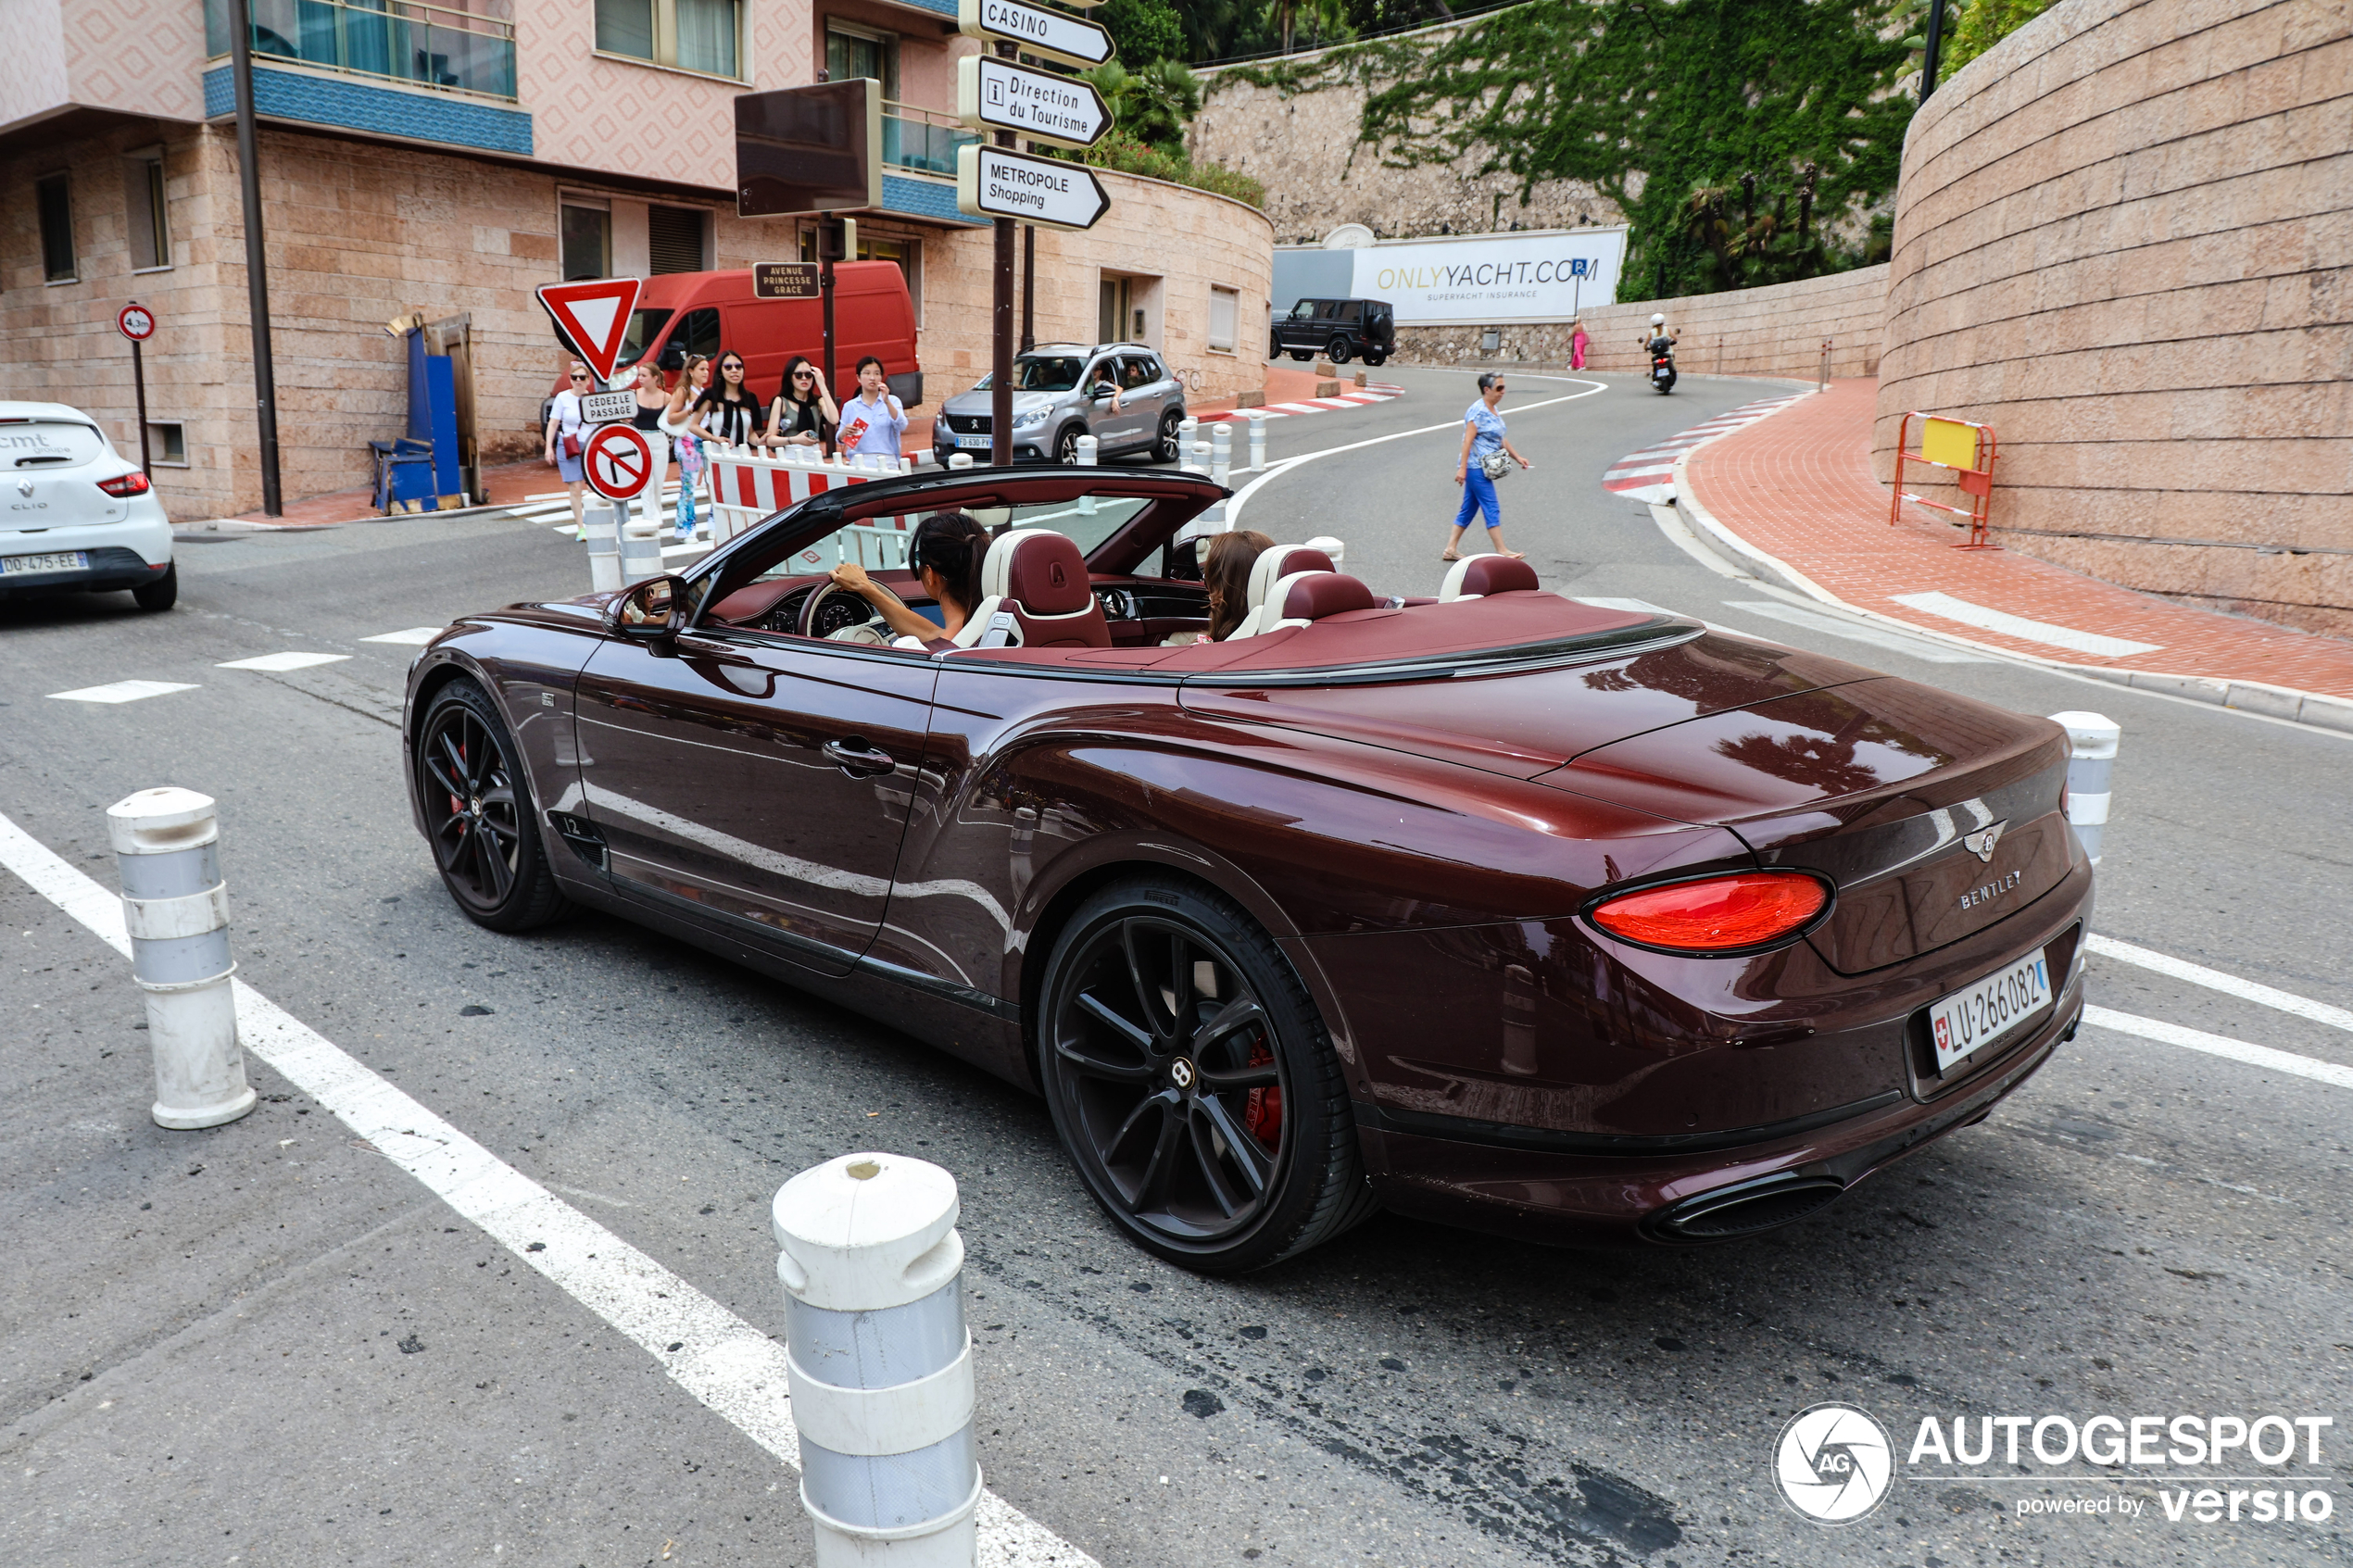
[1272, 567]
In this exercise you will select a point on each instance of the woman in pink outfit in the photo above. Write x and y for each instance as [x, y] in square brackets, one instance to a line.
[1577, 342]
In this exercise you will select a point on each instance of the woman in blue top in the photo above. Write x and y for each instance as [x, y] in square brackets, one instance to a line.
[871, 422]
[1482, 439]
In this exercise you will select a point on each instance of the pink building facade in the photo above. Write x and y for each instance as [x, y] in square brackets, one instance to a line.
[443, 159]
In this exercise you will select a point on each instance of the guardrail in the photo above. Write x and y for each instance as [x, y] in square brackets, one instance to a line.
[407, 41]
[1962, 449]
[748, 486]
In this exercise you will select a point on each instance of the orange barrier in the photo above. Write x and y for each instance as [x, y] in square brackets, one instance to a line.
[1963, 449]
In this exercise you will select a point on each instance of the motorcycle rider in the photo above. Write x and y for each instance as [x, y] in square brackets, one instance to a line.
[1661, 344]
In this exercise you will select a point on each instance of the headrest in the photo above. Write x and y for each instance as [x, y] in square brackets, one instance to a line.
[1047, 575]
[1476, 576]
[1311, 596]
[1278, 563]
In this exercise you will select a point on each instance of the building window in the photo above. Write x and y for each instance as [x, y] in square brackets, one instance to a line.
[1225, 309]
[674, 239]
[57, 230]
[851, 52]
[908, 253]
[148, 227]
[702, 36]
[587, 240]
[168, 445]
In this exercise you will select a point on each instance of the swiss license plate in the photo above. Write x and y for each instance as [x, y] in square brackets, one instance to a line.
[1969, 1020]
[974, 440]
[64, 560]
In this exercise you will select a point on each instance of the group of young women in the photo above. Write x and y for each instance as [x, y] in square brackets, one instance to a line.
[712, 402]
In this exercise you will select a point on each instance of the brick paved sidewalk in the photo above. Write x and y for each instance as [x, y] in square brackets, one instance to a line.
[1799, 486]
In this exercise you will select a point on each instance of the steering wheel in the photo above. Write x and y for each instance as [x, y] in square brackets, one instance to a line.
[830, 608]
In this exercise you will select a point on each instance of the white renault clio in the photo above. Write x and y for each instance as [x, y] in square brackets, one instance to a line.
[77, 514]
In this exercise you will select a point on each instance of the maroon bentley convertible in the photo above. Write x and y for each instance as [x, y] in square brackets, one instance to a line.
[1496, 908]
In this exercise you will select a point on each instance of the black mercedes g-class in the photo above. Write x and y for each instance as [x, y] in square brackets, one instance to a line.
[1338, 329]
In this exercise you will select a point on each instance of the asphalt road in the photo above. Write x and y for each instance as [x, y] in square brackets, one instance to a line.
[265, 1343]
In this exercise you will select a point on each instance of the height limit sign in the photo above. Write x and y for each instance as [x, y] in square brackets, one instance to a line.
[992, 182]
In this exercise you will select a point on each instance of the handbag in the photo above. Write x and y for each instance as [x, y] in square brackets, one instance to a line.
[1495, 465]
[571, 444]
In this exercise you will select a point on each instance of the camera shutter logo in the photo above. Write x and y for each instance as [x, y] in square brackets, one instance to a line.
[1833, 1462]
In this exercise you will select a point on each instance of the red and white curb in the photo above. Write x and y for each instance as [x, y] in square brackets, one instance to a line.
[1371, 392]
[1647, 475]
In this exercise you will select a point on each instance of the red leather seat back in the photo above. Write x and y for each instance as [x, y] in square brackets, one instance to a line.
[1499, 575]
[1051, 596]
[1317, 595]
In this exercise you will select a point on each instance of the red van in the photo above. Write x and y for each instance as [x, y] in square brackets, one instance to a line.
[683, 313]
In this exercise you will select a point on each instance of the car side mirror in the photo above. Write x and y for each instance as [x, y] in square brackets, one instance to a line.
[673, 358]
[648, 612]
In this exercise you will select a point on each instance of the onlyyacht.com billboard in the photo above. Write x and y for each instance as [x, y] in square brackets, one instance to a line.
[1484, 279]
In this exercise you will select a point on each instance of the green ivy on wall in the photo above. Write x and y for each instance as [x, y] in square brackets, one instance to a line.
[1663, 105]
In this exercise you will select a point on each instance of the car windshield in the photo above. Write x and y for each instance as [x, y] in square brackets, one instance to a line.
[36, 444]
[1303, 312]
[1057, 372]
[881, 543]
[644, 326]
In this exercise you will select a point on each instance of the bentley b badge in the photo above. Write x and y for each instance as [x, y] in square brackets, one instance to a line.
[1981, 843]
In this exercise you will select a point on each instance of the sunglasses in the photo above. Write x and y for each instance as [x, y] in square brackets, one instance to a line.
[736, 366]
[804, 375]
[577, 376]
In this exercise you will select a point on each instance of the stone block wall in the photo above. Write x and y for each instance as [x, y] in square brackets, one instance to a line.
[1765, 331]
[2124, 238]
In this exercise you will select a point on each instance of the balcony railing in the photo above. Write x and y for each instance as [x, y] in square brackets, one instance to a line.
[922, 140]
[404, 41]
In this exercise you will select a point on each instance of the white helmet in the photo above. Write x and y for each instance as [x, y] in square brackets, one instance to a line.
[1658, 320]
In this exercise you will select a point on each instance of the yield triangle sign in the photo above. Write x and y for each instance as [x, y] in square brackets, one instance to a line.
[595, 315]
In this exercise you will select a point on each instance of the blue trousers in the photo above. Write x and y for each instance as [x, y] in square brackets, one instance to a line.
[1478, 496]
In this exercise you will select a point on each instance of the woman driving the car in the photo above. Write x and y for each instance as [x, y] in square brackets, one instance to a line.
[945, 555]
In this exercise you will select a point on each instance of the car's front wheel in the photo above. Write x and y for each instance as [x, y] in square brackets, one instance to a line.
[1302, 355]
[1192, 1080]
[161, 594]
[1066, 443]
[1164, 445]
[479, 814]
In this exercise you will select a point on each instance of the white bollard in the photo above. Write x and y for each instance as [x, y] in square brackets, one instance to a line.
[176, 909]
[1197, 460]
[1331, 547]
[2091, 740]
[1257, 440]
[1089, 448]
[602, 523]
[1186, 428]
[1221, 452]
[879, 1362]
[960, 459]
[640, 553]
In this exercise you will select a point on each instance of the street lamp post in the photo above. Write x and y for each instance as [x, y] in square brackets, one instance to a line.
[265, 376]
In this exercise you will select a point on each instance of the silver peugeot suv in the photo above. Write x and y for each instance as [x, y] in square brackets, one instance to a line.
[1063, 390]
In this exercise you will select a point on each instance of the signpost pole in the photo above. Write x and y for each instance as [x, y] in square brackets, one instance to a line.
[1029, 287]
[265, 376]
[1001, 358]
[825, 293]
[139, 387]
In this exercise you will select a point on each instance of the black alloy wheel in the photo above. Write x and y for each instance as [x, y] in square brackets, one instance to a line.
[1164, 445]
[1066, 443]
[479, 814]
[1274, 348]
[1338, 350]
[1377, 358]
[1193, 1083]
[161, 594]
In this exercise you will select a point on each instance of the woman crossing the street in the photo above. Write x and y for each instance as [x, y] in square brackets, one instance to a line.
[566, 438]
[653, 402]
[803, 413]
[727, 411]
[1485, 457]
[871, 422]
[676, 420]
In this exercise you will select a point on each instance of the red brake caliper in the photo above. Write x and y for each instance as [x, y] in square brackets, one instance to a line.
[1263, 1111]
[457, 805]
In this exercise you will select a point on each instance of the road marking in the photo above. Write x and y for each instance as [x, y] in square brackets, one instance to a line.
[1968, 614]
[281, 662]
[415, 636]
[2217, 1045]
[1638, 479]
[1830, 625]
[732, 1367]
[2214, 979]
[1641, 471]
[121, 691]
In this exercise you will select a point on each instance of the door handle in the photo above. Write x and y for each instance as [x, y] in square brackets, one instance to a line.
[858, 757]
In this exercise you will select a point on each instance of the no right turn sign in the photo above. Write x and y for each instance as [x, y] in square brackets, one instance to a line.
[618, 462]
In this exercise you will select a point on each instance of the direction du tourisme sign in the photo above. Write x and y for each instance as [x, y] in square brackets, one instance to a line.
[1473, 280]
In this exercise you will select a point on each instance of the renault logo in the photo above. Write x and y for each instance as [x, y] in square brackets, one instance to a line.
[24, 487]
[1981, 843]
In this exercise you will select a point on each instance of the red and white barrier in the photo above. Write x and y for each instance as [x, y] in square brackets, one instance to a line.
[748, 486]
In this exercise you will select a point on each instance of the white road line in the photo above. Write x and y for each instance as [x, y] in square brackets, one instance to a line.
[1830, 625]
[121, 691]
[280, 663]
[415, 636]
[732, 1367]
[2217, 1045]
[2214, 979]
[2018, 626]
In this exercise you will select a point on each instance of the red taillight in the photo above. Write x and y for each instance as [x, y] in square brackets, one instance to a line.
[132, 483]
[1718, 914]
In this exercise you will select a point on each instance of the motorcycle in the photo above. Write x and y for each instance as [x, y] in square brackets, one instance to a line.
[1662, 364]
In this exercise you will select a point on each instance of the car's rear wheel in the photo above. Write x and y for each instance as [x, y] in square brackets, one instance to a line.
[1339, 350]
[1377, 357]
[1164, 445]
[1192, 1081]
[161, 594]
[479, 814]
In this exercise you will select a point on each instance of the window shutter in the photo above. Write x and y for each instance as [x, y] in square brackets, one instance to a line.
[674, 239]
[1222, 303]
